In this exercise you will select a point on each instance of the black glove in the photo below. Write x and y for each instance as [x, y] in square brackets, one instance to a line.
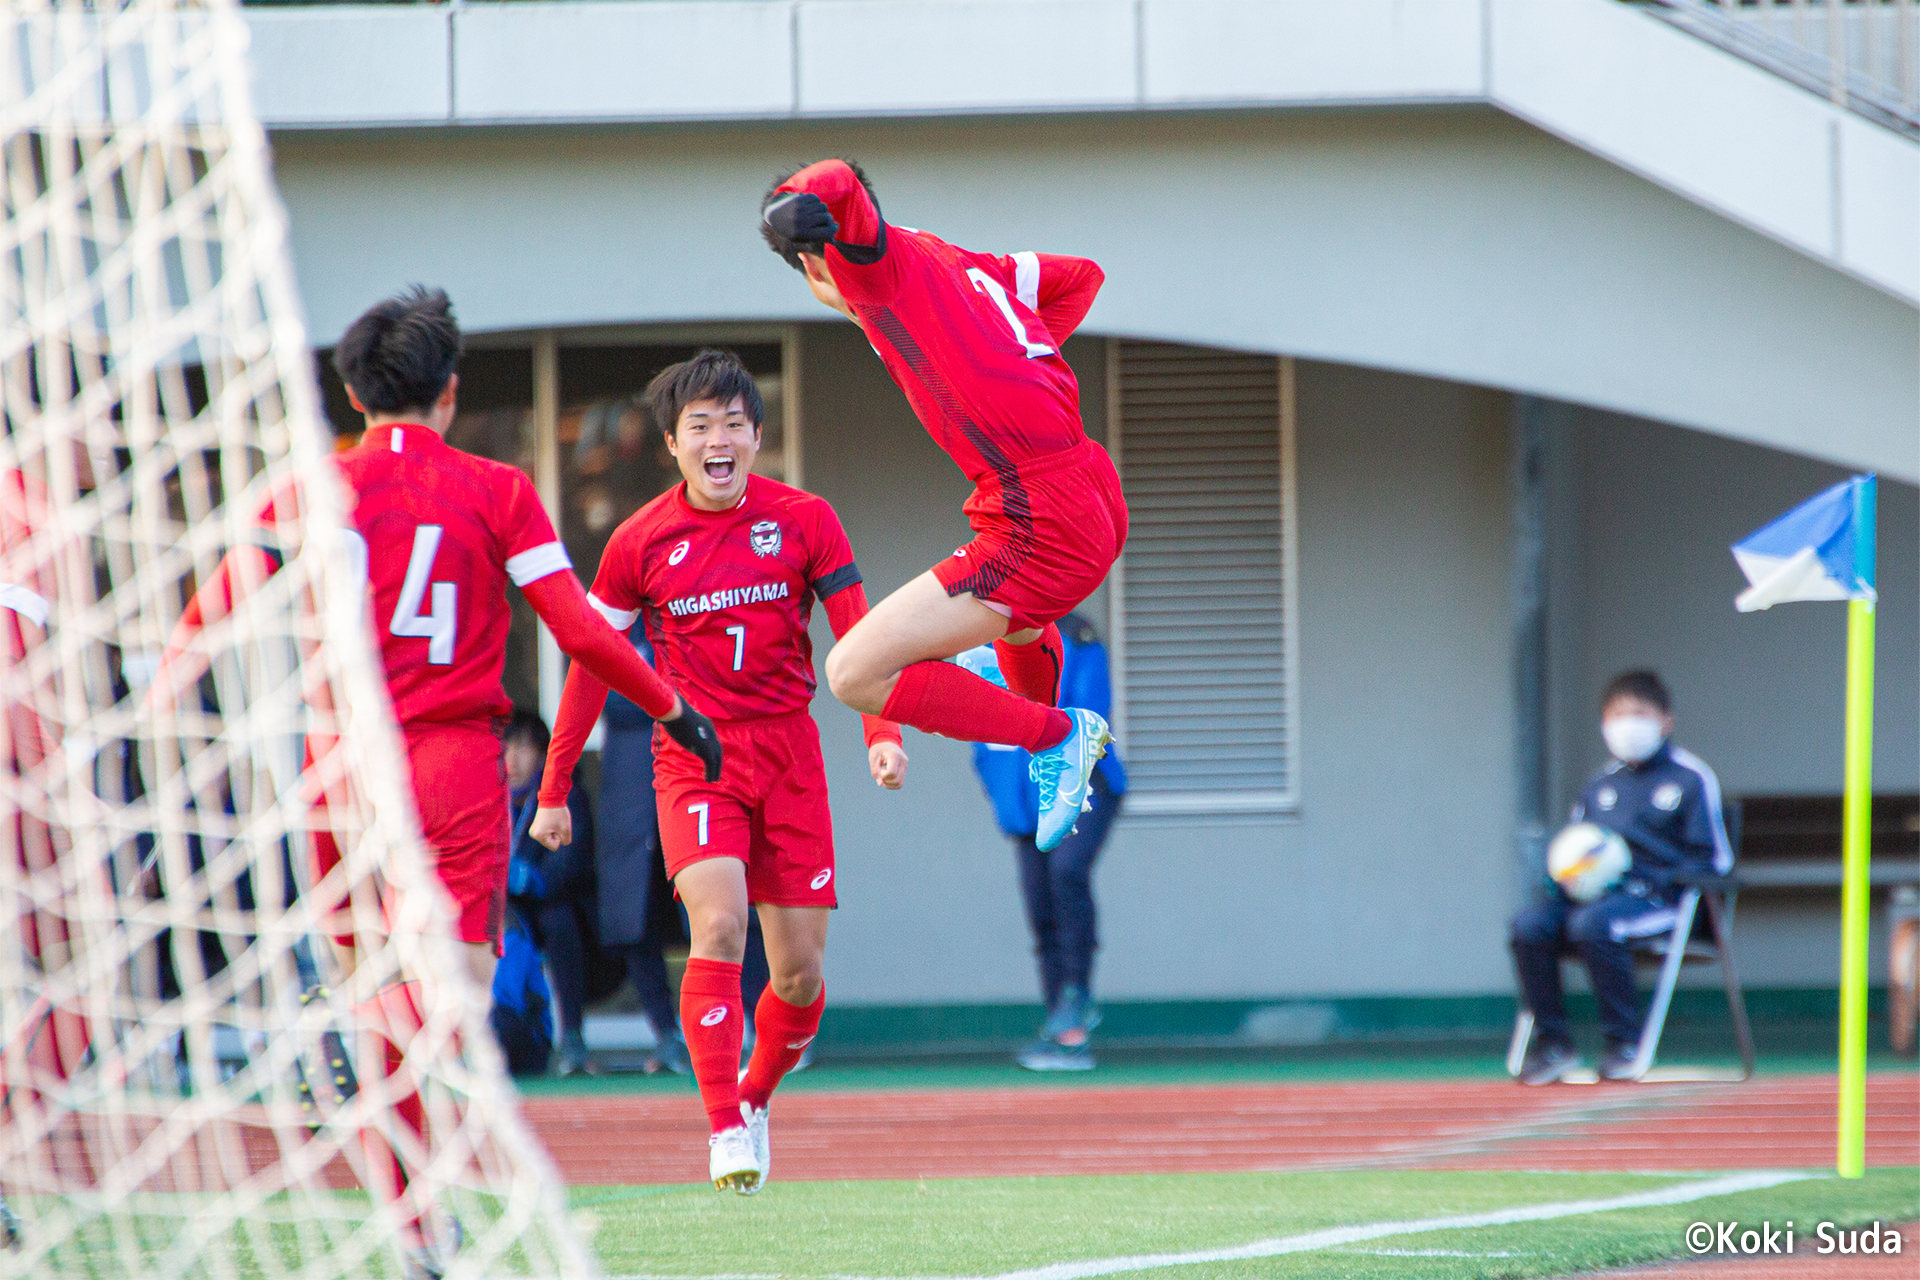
[801, 216]
[696, 733]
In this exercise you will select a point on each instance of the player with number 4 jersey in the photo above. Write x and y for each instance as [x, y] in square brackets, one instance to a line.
[439, 533]
[724, 570]
[973, 340]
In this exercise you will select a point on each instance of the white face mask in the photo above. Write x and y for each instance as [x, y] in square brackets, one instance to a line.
[1632, 738]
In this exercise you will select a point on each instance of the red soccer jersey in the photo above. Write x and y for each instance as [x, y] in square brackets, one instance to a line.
[443, 532]
[972, 338]
[727, 595]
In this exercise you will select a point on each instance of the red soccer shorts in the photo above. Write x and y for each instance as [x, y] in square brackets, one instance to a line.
[460, 791]
[769, 809]
[1044, 539]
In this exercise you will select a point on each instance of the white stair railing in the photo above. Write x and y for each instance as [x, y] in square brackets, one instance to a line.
[1863, 54]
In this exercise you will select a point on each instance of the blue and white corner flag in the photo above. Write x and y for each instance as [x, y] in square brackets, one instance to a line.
[1820, 550]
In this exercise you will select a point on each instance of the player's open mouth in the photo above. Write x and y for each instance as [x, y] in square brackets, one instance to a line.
[719, 470]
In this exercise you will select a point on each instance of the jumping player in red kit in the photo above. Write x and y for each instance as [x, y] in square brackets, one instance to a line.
[974, 341]
[441, 533]
[725, 569]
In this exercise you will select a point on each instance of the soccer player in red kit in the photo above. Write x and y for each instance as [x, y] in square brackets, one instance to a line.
[441, 533]
[973, 340]
[725, 569]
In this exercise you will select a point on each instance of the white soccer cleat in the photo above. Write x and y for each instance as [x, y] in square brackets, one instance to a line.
[756, 1118]
[1064, 775]
[731, 1162]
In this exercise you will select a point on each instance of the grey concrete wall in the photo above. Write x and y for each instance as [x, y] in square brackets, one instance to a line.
[1394, 878]
[1644, 514]
[1451, 243]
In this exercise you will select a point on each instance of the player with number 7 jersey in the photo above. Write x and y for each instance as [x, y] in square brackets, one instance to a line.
[724, 570]
[973, 339]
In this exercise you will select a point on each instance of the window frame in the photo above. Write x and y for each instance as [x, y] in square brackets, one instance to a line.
[1285, 800]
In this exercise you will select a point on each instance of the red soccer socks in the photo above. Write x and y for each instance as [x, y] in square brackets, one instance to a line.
[939, 697]
[1032, 670]
[782, 1033]
[711, 1017]
[393, 1018]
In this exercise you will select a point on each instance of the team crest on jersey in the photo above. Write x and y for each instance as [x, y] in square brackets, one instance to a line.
[1607, 798]
[765, 538]
[679, 551]
[1666, 796]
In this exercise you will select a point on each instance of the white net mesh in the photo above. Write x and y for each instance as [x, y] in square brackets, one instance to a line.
[194, 1086]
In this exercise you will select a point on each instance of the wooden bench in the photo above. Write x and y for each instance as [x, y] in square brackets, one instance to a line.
[1791, 844]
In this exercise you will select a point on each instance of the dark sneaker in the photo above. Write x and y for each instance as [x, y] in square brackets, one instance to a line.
[573, 1057]
[1619, 1062]
[1045, 1055]
[1548, 1063]
[10, 1225]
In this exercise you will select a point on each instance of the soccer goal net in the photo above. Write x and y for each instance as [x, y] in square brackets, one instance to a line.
[224, 1056]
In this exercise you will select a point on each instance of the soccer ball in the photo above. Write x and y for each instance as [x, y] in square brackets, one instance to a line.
[1586, 860]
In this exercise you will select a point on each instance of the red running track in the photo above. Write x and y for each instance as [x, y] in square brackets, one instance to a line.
[1774, 1123]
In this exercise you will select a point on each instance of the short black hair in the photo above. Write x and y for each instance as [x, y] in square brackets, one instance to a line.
[1643, 684]
[792, 249]
[712, 374]
[525, 725]
[399, 355]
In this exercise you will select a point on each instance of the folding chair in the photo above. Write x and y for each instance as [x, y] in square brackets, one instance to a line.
[1687, 943]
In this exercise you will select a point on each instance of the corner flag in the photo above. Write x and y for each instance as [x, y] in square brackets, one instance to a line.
[1823, 550]
[1820, 550]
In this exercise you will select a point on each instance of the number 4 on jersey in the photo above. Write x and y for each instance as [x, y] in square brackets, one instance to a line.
[437, 628]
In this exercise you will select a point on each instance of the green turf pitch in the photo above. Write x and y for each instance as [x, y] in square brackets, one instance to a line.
[989, 1226]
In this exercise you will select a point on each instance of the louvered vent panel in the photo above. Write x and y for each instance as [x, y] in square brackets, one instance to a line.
[1207, 707]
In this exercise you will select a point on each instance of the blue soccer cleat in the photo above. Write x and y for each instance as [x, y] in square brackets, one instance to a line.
[983, 662]
[1064, 774]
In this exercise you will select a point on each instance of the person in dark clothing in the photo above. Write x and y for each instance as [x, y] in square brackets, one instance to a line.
[1058, 885]
[1665, 803]
[637, 914]
[552, 888]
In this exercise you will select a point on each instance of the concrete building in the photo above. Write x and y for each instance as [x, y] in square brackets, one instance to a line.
[1482, 305]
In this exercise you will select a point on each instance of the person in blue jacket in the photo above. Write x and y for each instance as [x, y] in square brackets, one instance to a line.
[1058, 886]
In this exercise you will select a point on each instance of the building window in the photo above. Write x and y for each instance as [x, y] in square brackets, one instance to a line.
[1204, 600]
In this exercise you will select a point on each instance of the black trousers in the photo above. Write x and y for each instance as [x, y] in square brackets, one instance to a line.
[561, 934]
[1058, 889]
[1603, 932]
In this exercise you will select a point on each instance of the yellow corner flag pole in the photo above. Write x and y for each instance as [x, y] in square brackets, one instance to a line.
[1856, 825]
[1856, 828]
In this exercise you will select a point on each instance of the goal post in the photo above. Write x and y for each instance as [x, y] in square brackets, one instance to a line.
[195, 1080]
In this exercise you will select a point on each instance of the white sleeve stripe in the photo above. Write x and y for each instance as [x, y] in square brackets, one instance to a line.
[618, 619]
[27, 603]
[537, 562]
[1026, 278]
[1722, 847]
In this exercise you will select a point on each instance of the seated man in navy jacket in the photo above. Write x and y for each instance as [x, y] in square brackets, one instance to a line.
[1665, 803]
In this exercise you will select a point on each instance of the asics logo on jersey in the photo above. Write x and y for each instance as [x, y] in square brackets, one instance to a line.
[679, 551]
[820, 882]
[765, 538]
[712, 600]
[714, 1016]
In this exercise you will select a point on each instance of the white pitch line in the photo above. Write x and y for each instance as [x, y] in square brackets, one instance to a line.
[1332, 1237]
[1310, 1241]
